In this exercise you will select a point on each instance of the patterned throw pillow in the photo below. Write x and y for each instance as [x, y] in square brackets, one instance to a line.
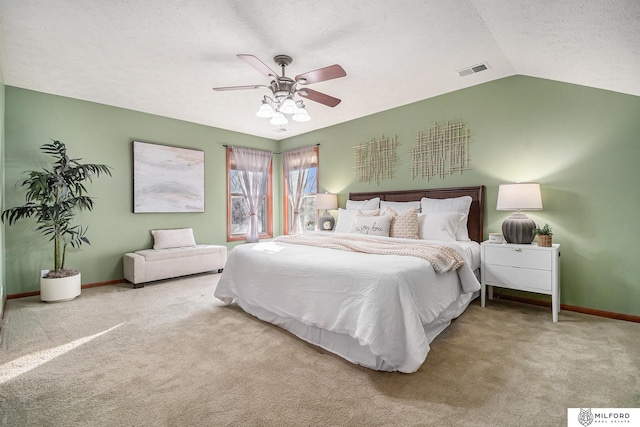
[403, 225]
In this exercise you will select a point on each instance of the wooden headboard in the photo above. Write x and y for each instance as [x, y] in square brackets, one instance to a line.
[476, 212]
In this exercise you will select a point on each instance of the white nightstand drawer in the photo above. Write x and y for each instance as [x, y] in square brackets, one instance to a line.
[517, 257]
[518, 278]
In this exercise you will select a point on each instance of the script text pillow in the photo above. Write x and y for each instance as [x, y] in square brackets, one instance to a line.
[404, 225]
[345, 218]
[371, 225]
[173, 238]
[456, 204]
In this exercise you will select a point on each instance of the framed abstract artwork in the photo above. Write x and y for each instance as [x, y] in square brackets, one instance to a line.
[167, 179]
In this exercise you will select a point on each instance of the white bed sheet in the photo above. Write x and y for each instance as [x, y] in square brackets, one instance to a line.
[380, 311]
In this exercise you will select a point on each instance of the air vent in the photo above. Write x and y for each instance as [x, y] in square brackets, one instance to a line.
[473, 69]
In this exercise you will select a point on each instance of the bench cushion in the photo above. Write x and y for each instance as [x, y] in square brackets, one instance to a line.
[151, 255]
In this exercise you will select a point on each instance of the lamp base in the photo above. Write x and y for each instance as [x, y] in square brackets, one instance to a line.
[518, 228]
[326, 221]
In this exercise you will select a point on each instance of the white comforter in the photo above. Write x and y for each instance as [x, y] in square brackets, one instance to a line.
[385, 302]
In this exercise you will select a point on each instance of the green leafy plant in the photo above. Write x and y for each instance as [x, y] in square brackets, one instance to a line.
[544, 231]
[53, 197]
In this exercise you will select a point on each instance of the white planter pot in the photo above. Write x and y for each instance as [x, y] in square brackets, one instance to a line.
[61, 289]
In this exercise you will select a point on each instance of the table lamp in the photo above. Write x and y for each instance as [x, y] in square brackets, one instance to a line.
[518, 228]
[326, 201]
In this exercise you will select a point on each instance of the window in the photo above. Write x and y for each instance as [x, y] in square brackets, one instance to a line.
[238, 215]
[308, 213]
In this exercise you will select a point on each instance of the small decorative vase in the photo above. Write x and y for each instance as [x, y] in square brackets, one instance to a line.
[544, 241]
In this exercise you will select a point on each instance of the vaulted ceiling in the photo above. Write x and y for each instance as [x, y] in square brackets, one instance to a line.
[165, 56]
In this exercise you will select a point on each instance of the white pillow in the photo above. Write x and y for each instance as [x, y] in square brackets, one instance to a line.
[370, 204]
[173, 238]
[345, 218]
[456, 204]
[439, 225]
[371, 225]
[403, 225]
[400, 207]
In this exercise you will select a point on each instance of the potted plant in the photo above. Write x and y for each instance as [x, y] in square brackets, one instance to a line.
[309, 223]
[53, 197]
[544, 235]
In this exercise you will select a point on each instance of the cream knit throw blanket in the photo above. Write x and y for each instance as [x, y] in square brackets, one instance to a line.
[442, 258]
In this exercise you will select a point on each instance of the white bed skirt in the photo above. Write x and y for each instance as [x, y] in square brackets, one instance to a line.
[348, 347]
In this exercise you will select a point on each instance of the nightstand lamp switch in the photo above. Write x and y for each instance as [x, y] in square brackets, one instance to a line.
[326, 202]
[518, 228]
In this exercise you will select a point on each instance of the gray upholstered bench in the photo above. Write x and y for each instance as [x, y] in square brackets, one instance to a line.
[175, 254]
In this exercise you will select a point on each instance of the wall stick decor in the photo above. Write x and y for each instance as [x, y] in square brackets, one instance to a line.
[441, 151]
[376, 159]
[167, 179]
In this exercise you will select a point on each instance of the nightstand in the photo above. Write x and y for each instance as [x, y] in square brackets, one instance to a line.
[528, 267]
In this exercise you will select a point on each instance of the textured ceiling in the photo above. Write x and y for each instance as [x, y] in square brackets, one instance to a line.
[164, 56]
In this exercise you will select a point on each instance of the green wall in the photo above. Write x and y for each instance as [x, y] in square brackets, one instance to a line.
[581, 144]
[103, 134]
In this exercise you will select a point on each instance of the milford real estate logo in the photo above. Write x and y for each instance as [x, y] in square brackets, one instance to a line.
[585, 417]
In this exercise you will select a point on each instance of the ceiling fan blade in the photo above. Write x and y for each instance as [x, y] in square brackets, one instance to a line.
[238, 87]
[327, 73]
[320, 97]
[258, 65]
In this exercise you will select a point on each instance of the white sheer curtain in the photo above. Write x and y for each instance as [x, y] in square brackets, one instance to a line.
[296, 168]
[253, 173]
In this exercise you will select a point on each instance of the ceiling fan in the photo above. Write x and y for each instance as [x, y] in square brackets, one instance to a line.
[285, 88]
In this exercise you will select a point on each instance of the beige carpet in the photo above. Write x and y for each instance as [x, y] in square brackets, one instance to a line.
[171, 355]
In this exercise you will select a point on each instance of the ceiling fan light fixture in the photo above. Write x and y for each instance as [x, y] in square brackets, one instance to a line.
[265, 111]
[278, 119]
[283, 89]
[288, 106]
[301, 115]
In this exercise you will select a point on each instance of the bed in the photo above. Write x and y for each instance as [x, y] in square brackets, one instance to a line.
[380, 310]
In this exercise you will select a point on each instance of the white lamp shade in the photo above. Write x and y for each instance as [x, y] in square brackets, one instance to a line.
[326, 201]
[265, 111]
[301, 115]
[288, 106]
[278, 119]
[519, 196]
